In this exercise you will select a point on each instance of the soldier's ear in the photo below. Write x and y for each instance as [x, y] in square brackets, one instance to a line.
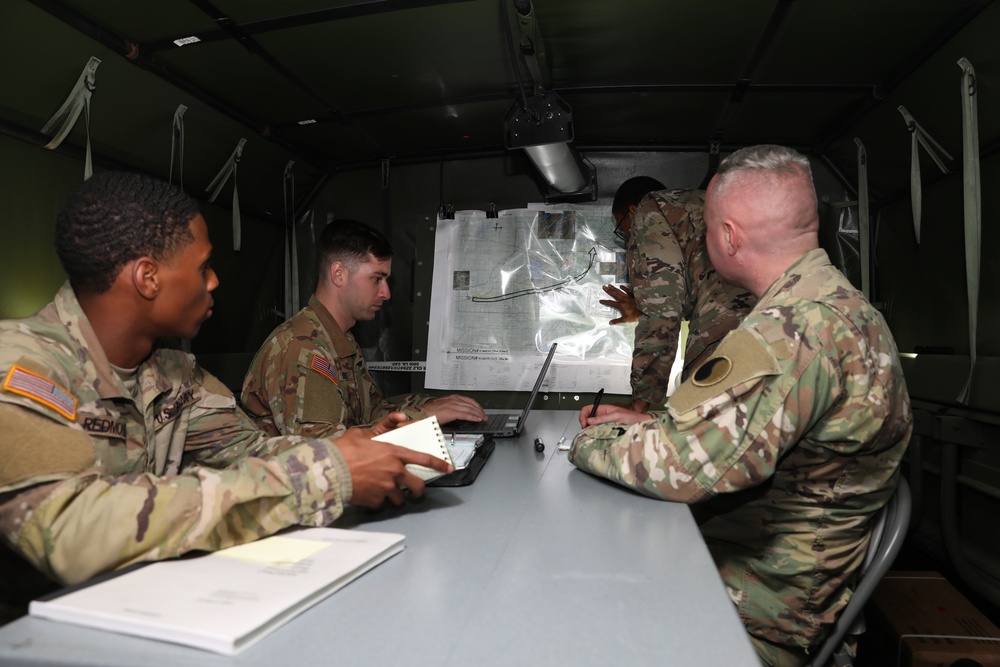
[339, 273]
[145, 277]
[733, 236]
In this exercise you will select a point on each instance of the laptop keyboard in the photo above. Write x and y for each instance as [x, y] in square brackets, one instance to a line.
[493, 423]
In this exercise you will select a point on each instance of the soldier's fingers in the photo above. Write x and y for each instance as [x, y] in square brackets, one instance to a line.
[413, 483]
[419, 458]
[396, 496]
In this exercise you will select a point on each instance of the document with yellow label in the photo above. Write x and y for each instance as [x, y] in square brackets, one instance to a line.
[227, 600]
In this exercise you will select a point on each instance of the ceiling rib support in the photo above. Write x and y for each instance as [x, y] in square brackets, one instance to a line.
[132, 53]
[365, 8]
[792, 88]
[882, 90]
[479, 153]
[254, 47]
[749, 73]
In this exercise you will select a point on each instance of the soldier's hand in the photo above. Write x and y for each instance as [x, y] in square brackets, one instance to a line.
[638, 405]
[623, 301]
[611, 414]
[389, 422]
[378, 469]
[450, 408]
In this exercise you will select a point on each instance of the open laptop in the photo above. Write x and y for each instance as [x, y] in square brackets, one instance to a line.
[503, 424]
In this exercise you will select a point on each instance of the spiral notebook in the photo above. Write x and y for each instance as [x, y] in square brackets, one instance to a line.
[422, 436]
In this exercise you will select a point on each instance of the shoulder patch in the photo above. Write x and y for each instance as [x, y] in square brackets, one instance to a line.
[35, 448]
[712, 372]
[321, 365]
[321, 401]
[40, 389]
[740, 358]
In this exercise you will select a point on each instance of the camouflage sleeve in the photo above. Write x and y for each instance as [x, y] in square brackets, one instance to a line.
[410, 404]
[660, 287]
[754, 402]
[89, 522]
[379, 406]
[286, 395]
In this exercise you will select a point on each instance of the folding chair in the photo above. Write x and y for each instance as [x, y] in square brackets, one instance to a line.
[888, 532]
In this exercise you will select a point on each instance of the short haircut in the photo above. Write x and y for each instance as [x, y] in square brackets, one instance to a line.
[778, 160]
[351, 243]
[114, 218]
[631, 192]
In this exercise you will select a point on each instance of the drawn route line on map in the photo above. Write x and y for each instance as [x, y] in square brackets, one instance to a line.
[540, 290]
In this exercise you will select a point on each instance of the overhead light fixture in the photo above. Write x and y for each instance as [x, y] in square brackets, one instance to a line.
[542, 125]
[184, 41]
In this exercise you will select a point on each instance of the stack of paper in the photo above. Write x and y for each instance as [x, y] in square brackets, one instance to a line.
[227, 600]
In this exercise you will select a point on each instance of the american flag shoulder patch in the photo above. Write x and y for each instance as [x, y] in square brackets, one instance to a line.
[40, 389]
[322, 366]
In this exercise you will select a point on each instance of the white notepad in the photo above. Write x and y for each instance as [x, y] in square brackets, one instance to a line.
[424, 436]
[227, 600]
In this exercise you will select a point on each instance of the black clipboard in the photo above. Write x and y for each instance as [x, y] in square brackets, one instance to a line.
[468, 474]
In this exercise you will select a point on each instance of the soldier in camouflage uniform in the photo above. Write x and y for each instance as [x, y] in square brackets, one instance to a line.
[309, 377]
[790, 435]
[671, 279]
[113, 451]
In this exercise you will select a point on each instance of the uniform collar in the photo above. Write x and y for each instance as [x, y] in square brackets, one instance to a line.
[92, 355]
[801, 267]
[343, 343]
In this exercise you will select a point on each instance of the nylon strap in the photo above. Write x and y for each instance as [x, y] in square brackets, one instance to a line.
[65, 118]
[291, 277]
[920, 137]
[229, 169]
[177, 140]
[973, 212]
[864, 235]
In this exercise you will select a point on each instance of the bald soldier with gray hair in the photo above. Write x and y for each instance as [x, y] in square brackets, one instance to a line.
[789, 436]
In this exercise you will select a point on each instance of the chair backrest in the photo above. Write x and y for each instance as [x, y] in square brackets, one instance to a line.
[887, 534]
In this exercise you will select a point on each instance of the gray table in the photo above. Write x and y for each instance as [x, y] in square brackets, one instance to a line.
[536, 563]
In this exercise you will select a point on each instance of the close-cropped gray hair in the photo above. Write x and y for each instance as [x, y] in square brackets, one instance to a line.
[779, 160]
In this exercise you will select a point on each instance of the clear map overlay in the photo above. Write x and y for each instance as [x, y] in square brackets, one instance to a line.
[506, 288]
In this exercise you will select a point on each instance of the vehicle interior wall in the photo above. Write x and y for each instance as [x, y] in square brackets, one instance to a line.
[835, 71]
[35, 182]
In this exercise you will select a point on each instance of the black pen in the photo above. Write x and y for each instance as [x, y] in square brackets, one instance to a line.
[597, 401]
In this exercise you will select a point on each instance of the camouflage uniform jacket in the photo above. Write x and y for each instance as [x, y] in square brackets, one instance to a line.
[792, 432]
[309, 378]
[92, 479]
[673, 280]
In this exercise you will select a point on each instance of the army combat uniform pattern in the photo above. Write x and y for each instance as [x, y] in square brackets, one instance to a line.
[93, 478]
[309, 378]
[792, 434]
[672, 279]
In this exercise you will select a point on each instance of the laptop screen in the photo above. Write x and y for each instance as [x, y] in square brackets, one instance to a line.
[534, 390]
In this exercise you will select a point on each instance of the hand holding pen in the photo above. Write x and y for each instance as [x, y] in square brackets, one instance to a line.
[597, 402]
[611, 413]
